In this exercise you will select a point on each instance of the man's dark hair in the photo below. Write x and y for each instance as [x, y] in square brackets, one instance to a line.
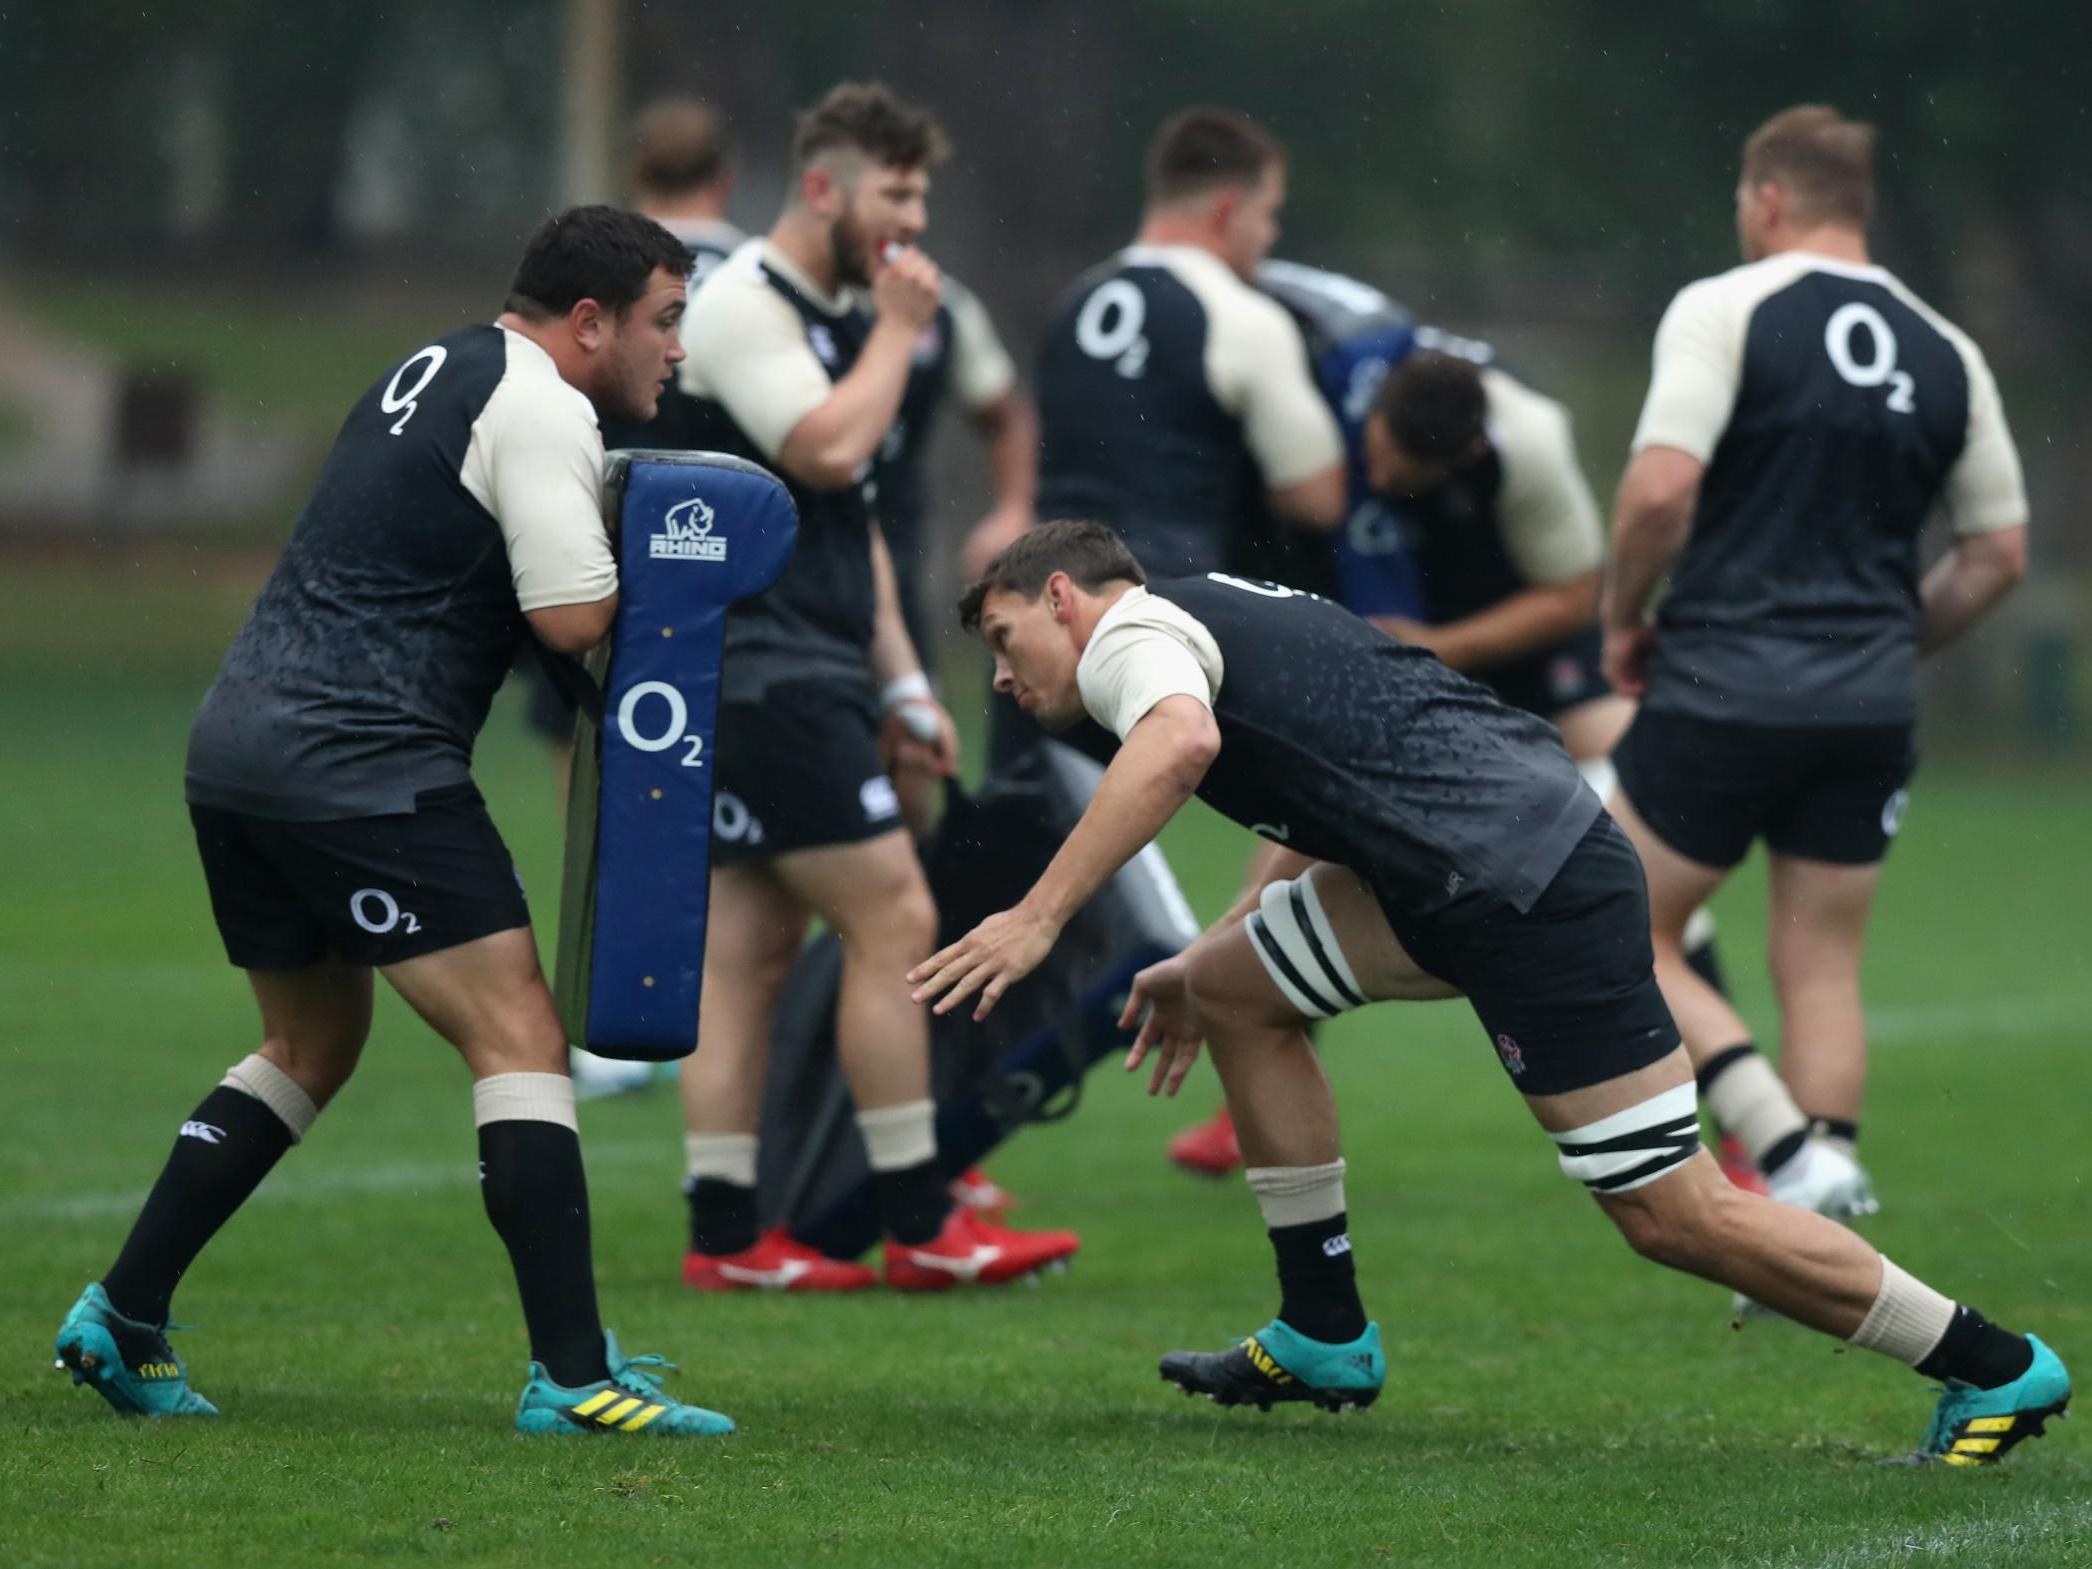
[870, 118]
[603, 254]
[677, 147]
[1090, 553]
[1205, 149]
[1823, 160]
[1434, 406]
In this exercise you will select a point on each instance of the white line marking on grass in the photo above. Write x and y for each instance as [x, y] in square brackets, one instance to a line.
[303, 1188]
[2022, 1015]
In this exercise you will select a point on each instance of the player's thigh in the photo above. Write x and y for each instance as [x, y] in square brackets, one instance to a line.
[753, 921]
[1678, 885]
[872, 891]
[1816, 916]
[488, 998]
[1591, 730]
[1316, 945]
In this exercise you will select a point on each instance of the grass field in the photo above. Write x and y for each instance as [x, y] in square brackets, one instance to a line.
[1553, 1401]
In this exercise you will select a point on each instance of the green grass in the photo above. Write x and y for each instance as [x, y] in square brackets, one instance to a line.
[1554, 1401]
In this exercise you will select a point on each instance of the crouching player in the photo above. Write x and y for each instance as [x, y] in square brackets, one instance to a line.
[329, 778]
[1438, 843]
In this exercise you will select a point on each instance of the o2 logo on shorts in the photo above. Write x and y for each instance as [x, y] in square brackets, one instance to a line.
[877, 796]
[378, 913]
[733, 821]
[676, 732]
[1892, 811]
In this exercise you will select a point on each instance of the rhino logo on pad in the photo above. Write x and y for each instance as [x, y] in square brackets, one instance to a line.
[686, 534]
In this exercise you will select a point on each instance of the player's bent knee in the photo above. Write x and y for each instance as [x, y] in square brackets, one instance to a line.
[1293, 939]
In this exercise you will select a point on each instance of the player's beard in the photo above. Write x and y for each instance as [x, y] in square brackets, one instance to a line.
[851, 246]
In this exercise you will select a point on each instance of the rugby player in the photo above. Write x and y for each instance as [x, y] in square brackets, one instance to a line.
[329, 779]
[1175, 401]
[1434, 841]
[1806, 415]
[790, 373]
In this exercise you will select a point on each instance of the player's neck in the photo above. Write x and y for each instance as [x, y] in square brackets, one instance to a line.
[1093, 608]
[1166, 226]
[555, 340]
[1838, 241]
[807, 245]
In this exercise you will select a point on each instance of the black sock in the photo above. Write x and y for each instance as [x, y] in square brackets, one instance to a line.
[913, 1201]
[537, 1197]
[1836, 1128]
[230, 1142]
[1706, 963]
[1317, 1281]
[722, 1215]
[1783, 1151]
[1975, 1351]
[1721, 1062]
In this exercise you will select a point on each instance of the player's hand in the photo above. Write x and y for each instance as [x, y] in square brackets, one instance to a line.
[918, 736]
[1170, 1031]
[1626, 658]
[990, 959]
[990, 537]
[907, 287]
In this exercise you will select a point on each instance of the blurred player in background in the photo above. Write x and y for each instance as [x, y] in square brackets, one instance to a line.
[1174, 398]
[823, 696]
[1434, 842]
[329, 777]
[1807, 414]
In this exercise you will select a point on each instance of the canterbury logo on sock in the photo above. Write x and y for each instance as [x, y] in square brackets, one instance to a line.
[1340, 1243]
[204, 1131]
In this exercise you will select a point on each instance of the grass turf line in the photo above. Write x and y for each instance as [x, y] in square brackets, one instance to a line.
[1554, 1401]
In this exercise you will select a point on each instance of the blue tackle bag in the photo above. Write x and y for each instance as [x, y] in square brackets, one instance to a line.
[696, 531]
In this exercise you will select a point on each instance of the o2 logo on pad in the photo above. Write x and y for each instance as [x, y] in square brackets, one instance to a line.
[657, 725]
[686, 534]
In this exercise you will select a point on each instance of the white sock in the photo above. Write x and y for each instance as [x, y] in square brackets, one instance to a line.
[1751, 1101]
[1298, 1195]
[525, 1097]
[1908, 1319]
[898, 1137]
[257, 1076]
[724, 1157]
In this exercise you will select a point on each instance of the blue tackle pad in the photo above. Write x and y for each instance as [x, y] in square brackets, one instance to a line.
[696, 532]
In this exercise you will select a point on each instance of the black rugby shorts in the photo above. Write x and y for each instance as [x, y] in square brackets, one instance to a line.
[372, 890]
[799, 771]
[1708, 787]
[1565, 991]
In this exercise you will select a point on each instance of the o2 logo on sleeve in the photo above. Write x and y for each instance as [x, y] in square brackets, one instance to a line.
[656, 726]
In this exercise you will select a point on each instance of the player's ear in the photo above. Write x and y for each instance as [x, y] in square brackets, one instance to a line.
[1060, 597]
[820, 191]
[589, 323]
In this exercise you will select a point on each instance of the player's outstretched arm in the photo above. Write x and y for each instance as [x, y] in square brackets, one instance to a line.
[1160, 764]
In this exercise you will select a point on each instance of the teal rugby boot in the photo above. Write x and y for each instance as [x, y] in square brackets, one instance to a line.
[1973, 1426]
[1280, 1363]
[628, 1401]
[130, 1364]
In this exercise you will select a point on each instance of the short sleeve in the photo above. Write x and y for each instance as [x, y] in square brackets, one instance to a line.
[536, 463]
[1985, 489]
[747, 351]
[982, 370]
[1698, 366]
[1258, 364]
[1546, 511]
